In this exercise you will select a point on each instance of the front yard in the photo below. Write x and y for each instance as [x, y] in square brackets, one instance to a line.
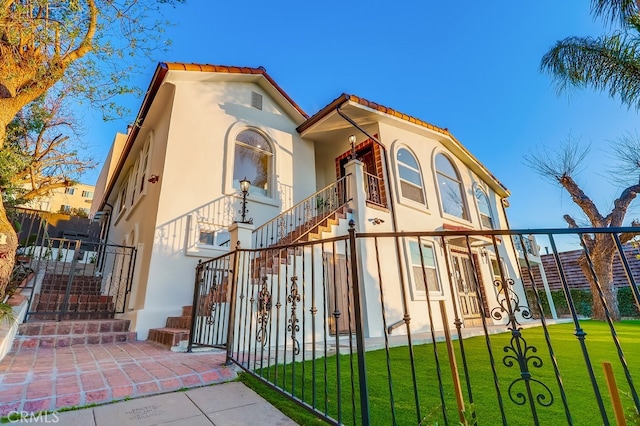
[397, 386]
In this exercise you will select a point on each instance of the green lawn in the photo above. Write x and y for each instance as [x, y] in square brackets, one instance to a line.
[298, 379]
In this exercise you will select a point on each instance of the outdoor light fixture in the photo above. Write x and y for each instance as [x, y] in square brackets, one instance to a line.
[153, 179]
[244, 187]
[352, 141]
[483, 253]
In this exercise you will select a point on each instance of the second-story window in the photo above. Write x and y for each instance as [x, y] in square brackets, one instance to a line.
[450, 188]
[69, 191]
[484, 208]
[253, 160]
[410, 176]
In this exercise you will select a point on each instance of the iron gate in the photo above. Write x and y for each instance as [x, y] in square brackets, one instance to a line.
[272, 310]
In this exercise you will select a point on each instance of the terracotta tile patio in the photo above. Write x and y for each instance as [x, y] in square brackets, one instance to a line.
[34, 379]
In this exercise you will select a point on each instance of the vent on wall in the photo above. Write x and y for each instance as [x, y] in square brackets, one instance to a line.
[256, 100]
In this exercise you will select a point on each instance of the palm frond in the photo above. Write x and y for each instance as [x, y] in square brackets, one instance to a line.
[608, 63]
[615, 10]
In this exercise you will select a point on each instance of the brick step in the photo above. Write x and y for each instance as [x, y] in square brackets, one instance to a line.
[187, 311]
[71, 316]
[168, 337]
[75, 289]
[183, 322]
[57, 334]
[61, 341]
[51, 328]
[76, 303]
[177, 330]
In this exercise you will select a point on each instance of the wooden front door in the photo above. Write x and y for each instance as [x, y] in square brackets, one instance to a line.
[339, 296]
[465, 285]
[365, 155]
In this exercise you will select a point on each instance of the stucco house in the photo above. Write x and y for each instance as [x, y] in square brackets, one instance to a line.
[172, 188]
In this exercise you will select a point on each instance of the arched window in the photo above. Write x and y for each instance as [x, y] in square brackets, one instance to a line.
[451, 189]
[253, 160]
[410, 177]
[484, 208]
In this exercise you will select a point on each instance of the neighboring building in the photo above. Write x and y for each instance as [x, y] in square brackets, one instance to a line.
[172, 186]
[65, 200]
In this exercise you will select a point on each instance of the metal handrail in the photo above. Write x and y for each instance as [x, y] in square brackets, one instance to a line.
[373, 189]
[300, 219]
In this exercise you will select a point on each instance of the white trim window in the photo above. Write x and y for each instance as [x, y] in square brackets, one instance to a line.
[132, 182]
[422, 262]
[253, 160]
[411, 186]
[122, 198]
[484, 208]
[212, 235]
[144, 167]
[450, 188]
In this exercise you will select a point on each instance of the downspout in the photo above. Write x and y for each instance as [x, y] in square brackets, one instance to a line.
[105, 235]
[405, 302]
[103, 239]
[386, 164]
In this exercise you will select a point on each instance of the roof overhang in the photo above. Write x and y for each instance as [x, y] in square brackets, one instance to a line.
[176, 71]
[327, 122]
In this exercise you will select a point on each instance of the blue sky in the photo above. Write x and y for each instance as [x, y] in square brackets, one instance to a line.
[472, 67]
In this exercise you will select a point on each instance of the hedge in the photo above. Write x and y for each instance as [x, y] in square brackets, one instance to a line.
[583, 301]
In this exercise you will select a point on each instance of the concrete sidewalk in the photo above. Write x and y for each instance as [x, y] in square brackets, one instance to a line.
[147, 381]
[226, 404]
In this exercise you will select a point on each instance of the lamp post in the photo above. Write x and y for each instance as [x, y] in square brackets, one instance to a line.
[244, 187]
[352, 141]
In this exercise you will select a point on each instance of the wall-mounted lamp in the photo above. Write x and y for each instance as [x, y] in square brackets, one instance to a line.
[484, 253]
[352, 141]
[153, 179]
[376, 220]
[244, 187]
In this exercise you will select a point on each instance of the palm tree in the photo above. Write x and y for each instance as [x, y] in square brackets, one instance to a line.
[609, 63]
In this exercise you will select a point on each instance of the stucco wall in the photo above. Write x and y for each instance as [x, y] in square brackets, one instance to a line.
[196, 184]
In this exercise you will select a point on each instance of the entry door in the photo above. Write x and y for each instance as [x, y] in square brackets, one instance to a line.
[464, 281]
[339, 295]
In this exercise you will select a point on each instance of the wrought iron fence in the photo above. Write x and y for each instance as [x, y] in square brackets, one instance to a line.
[76, 279]
[424, 328]
[291, 225]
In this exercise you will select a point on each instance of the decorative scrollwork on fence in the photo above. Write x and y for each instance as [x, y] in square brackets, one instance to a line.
[282, 228]
[509, 304]
[264, 310]
[293, 298]
[210, 304]
[519, 353]
[308, 213]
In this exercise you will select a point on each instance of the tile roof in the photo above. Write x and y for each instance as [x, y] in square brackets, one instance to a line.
[180, 66]
[345, 97]
[164, 67]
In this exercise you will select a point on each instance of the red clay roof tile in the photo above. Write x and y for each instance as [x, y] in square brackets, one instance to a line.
[180, 66]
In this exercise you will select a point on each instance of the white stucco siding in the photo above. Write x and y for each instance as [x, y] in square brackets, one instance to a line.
[196, 184]
[199, 167]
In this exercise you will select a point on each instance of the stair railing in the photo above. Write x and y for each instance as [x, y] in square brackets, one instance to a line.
[291, 225]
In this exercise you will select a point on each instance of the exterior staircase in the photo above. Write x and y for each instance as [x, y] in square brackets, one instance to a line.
[58, 334]
[86, 300]
[265, 262]
[175, 332]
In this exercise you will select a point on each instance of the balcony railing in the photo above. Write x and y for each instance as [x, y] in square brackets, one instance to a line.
[299, 220]
[373, 188]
